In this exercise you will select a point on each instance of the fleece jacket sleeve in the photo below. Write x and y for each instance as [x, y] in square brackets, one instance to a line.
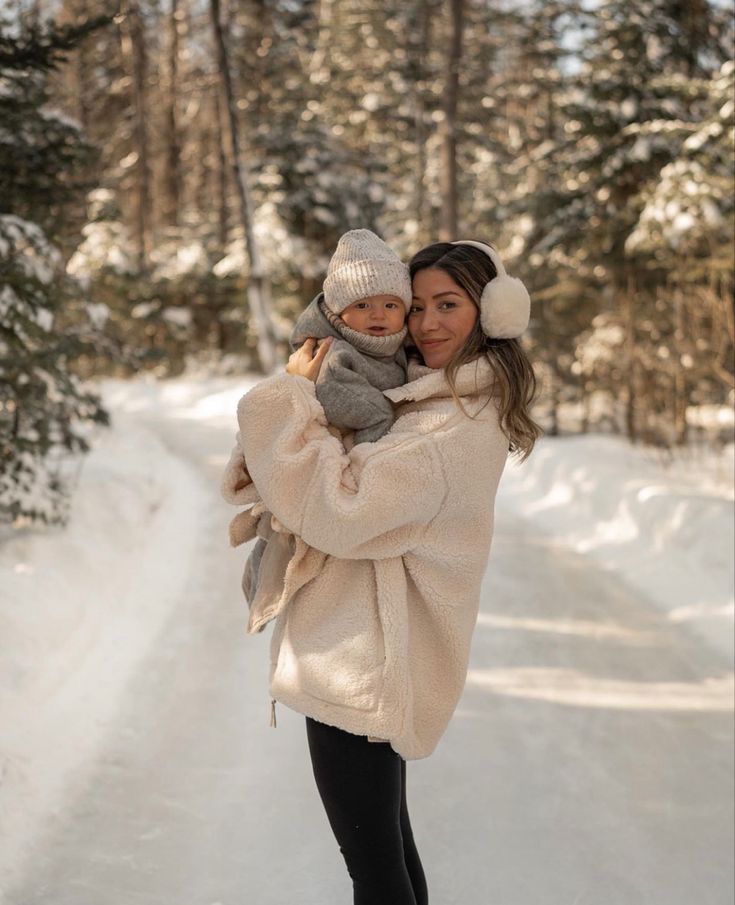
[350, 401]
[301, 471]
[236, 485]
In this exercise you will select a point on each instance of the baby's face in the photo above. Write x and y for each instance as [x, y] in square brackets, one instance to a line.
[377, 315]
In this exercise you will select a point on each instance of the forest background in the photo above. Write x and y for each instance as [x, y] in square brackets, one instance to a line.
[175, 174]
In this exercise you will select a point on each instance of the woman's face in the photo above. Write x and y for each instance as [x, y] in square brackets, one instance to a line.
[442, 316]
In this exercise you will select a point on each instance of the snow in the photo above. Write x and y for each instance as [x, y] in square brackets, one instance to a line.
[32, 252]
[9, 302]
[32, 484]
[667, 530]
[79, 608]
[82, 606]
[280, 250]
[179, 317]
[45, 319]
[106, 246]
[601, 343]
[144, 309]
[641, 149]
[686, 196]
[98, 313]
[711, 416]
[52, 115]
[174, 261]
[629, 108]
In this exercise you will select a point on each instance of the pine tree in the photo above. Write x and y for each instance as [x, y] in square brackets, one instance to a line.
[512, 163]
[687, 226]
[45, 410]
[626, 115]
[319, 181]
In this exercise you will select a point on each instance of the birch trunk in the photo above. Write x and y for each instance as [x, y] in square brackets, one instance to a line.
[448, 222]
[258, 285]
[632, 384]
[82, 67]
[422, 51]
[223, 207]
[134, 49]
[173, 150]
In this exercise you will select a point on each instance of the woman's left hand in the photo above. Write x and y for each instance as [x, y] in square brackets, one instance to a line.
[302, 364]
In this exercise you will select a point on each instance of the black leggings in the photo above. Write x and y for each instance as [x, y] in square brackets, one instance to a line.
[362, 785]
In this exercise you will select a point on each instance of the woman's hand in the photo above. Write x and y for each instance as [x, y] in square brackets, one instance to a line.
[302, 364]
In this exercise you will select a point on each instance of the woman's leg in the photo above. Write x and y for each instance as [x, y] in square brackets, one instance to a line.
[410, 853]
[361, 785]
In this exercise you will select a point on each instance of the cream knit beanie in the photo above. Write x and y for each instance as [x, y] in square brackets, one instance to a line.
[364, 265]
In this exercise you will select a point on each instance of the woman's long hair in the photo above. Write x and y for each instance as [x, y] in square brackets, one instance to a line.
[515, 385]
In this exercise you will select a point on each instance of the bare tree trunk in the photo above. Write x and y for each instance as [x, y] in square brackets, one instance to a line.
[173, 155]
[718, 297]
[134, 48]
[554, 399]
[448, 225]
[220, 179]
[81, 67]
[421, 49]
[585, 402]
[630, 365]
[324, 37]
[681, 430]
[258, 285]
[221, 172]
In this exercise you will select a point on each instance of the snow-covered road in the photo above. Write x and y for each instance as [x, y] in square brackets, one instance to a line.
[590, 761]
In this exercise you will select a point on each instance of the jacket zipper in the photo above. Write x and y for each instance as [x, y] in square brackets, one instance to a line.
[273, 713]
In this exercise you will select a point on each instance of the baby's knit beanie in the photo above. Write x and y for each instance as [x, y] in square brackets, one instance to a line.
[364, 265]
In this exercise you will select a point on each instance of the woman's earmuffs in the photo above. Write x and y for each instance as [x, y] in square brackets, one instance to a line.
[505, 305]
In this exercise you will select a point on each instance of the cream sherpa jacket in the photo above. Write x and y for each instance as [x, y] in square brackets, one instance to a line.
[380, 600]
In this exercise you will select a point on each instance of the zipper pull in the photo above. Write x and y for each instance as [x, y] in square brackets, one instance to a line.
[273, 713]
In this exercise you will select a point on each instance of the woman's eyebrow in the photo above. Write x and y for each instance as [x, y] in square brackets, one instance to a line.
[438, 295]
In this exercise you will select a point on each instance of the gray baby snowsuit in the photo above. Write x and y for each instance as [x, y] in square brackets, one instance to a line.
[354, 373]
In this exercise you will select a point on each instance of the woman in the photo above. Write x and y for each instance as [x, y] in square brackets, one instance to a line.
[374, 647]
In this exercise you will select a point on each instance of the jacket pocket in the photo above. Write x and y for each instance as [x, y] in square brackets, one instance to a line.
[330, 646]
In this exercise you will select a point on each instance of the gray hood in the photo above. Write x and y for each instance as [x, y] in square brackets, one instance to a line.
[311, 322]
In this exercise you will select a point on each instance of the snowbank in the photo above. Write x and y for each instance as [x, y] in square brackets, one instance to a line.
[667, 529]
[80, 606]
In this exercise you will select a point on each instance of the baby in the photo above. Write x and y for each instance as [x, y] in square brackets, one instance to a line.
[363, 307]
[367, 294]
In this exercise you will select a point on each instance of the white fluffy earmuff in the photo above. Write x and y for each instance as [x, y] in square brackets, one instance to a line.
[505, 305]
